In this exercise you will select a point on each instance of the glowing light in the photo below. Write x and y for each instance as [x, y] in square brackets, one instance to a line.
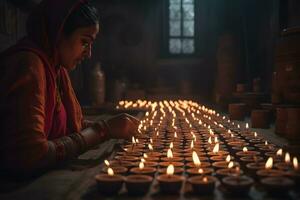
[110, 171]
[269, 163]
[196, 159]
[170, 170]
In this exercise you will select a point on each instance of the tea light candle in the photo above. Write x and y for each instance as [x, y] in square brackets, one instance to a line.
[278, 186]
[138, 184]
[238, 185]
[142, 170]
[199, 171]
[286, 165]
[170, 157]
[196, 162]
[216, 151]
[109, 183]
[229, 171]
[268, 171]
[245, 152]
[203, 184]
[295, 173]
[170, 183]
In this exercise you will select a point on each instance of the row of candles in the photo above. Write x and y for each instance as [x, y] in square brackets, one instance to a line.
[182, 141]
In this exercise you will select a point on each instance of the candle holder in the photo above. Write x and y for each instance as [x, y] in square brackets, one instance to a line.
[138, 184]
[170, 184]
[238, 185]
[150, 171]
[109, 184]
[278, 186]
[117, 169]
[203, 184]
[199, 171]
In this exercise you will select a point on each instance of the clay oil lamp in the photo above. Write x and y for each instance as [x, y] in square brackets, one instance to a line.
[148, 158]
[109, 183]
[276, 155]
[217, 152]
[152, 153]
[265, 146]
[177, 170]
[199, 171]
[147, 163]
[129, 153]
[268, 171]
[246, 152]
[116, 169]
[135, 146]
[194, 155]
[143, 170]
[236, 184]
[221, 158]
[138, 184]
[286, 165]
[237, 144]
[295, 173]
[229, 171]
[123, 163]
[278, 185]
[250, 159]
[169, 182]
[237, 149]
[224, 164]
[202, 184]
[127, 158]
[190, 154]
[197, 163]
[172, 157]
[254, 138]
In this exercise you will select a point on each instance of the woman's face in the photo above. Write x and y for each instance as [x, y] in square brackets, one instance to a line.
[73, 49]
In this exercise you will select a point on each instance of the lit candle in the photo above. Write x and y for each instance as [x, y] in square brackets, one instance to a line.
[109, 183]
[170, 183]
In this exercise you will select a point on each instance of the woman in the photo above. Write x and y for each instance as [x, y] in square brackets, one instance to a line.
[41, 119]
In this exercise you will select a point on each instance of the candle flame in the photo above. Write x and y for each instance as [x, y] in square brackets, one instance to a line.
[145, 155]
[110, 171]
[228, 158]
[150, 147]
[137, 140]
[266, 142]
[279, 152]
[192, 144]
[245, 149]
[269, 163]
[200, 171]
[255, 134]
[230, 165]
[169, 153]
[143, 160]
[106, 162]
[287, 158]
[196, 159]
[175, 135]
[295, 163]
[216, 139]
[170, 170]
[141, 165]
[171, 145]
[151, 140]
[133, 140]
[209, 140]
[247, 126]
[216, 148]
[205, 179]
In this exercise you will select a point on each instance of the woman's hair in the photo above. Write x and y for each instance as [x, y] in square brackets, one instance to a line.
[84, 15]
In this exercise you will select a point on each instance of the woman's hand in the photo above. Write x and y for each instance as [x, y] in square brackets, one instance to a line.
[122, 126]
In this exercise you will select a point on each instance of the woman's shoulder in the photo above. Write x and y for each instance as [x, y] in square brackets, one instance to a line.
[29, 60]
